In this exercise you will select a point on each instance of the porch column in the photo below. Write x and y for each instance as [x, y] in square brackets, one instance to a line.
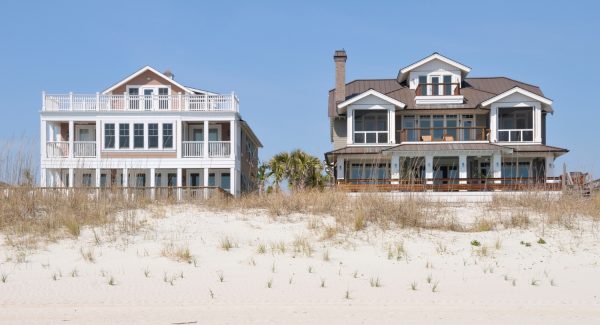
[549, 168]
[43, 140]
[98, 136]
[179, 182]
[178, 138]
[429, 169]
[497, 167]
[125, 178]
[205, 135]
[349, 126]
[462, 169]
[395, 169]
[152, 183]
[232, 185]
[341, 170]
[232, 139]
[205, 182]
[493, 123]
[537, 123]
[71, 177]
[97, 182]
[43, 182]
[71, 138]
[392, 126]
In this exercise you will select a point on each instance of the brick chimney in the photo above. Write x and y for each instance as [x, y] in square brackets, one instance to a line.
[169, 74]
[340, 75]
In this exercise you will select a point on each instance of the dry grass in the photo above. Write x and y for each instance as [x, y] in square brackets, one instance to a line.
[179, 253]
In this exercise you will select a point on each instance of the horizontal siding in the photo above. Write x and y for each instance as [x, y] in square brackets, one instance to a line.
[338, 133]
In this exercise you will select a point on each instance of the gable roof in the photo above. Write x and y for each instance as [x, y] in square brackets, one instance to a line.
[474, 90]
[435, 56]
[142, 70]
[371, 92]
[518, 90]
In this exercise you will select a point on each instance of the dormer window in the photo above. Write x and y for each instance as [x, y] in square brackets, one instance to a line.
[439, 85]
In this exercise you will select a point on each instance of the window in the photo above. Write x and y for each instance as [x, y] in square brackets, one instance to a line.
[516, 124]
[168, 135]
[124, 136]
[212, 181]
[109, 136]
[86, 180]
[423, 85]
[435, 88]
[157, 180]
[447, 85]
[140, 180]
[152, 135]
[103, 182]
[370, 126]
[138, 135]
[225, 181]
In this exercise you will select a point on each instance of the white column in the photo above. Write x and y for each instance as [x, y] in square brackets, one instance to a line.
[232, 139]
[537, 123]
[549, 167]
[125, 177]
[395, 169]
[205, 177]
[97, 182]
[349, 124]
[462, 168]
[493, 123]
[43, 140]
[341, 168]
[179, 182]
[497, 166]
[178, 138]
[429, 169]
[98, 138]
[43, 182]
[205, 131]
[232, 185]
[152, 183]
[392, 126]
[71, 177]
[71, 138]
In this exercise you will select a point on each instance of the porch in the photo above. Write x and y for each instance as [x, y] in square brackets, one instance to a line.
[70, 139]
[207, 139]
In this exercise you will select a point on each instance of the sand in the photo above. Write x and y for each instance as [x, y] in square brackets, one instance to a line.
[361, 277]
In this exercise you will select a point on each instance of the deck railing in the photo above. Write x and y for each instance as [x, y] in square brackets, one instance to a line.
[219, 149]
[451, 184]
[84, 149]
[193, 149]
[474, 133]
[139, 103]
[57, 149]
[515, 135]
[438, 89]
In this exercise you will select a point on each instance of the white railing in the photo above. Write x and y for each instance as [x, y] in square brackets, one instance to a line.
[124, 103]
[193, 148]
[84, 149]
[515, 135]
[219, 149]
[57, 149]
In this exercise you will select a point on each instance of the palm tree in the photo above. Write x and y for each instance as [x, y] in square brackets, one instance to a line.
[304, 170]
[279, 168]
[261, 176]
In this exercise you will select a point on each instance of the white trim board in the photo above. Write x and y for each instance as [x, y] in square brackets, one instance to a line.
[519, 90]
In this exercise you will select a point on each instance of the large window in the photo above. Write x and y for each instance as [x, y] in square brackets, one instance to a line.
[152, 135]
[368, 173]
[515, 124]
[370, 126]
[109, 136]
[168, 135]
[138, 135]
[124, 136]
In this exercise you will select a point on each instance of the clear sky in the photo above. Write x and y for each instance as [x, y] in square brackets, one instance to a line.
[277, 56]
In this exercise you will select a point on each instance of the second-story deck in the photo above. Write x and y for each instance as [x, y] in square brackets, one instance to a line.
[473, 133]
[139, 103]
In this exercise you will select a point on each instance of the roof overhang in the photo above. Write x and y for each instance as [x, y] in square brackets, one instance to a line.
[140, 71]
[371, 92]
[446, 149]
[251, 133]
[519, 90]
[435, 56]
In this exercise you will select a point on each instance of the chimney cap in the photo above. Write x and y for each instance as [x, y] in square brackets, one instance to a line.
[340, 55]
[169, 74]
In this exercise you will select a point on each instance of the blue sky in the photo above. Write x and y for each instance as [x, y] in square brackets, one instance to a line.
[277, 56]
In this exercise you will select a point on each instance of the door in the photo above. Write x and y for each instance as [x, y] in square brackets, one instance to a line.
[213, 134]
[212, 180]
[195, 179]
[134, 102]
[225, 181]
[148, 98]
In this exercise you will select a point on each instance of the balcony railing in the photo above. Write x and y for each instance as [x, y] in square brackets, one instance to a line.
[57, 149]
[473, 133]
[515, 135]
[438, 89]
[84, 149]
[193, 149]
[139, 103]
[219, 149]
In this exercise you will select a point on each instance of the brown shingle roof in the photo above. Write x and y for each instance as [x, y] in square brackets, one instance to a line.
[537, 148]
[474, 90]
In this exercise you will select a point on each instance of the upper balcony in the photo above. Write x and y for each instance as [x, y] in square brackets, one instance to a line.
[473, 133]
[139, 103]
[438, 93]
